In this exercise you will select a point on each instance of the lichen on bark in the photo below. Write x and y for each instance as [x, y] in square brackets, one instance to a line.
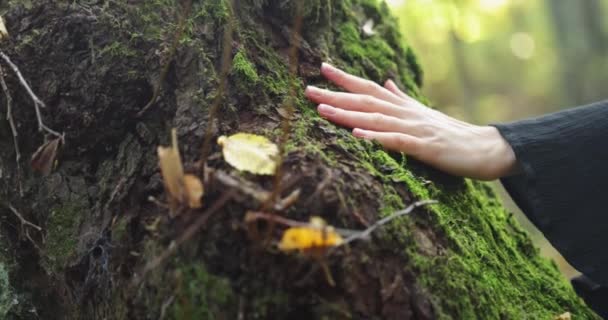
[463, 258]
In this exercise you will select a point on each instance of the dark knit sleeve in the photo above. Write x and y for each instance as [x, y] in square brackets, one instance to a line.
[563, 182]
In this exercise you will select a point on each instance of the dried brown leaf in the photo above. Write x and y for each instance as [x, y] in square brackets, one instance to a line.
[44, 158]
[171, 168]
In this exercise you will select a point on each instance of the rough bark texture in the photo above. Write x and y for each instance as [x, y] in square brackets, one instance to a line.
[96, 63]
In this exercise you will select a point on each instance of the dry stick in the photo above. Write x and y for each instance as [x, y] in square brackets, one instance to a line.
[11, 121]
[181, 27]
[226, 64]
[185, 236]
[365, 233]
[255, 216]
[22, 219]
[37, 102]
[286, 123]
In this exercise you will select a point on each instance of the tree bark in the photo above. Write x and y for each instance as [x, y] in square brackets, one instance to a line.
[96, 64]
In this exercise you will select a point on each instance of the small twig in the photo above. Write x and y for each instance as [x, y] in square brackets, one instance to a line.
[37, 102]
[181, 27]
[22, 219]
[328, 178]
[253, 216]
[158, 202]
[217, 101]
[11, 121]
[251, 190]
[365, 233]
[242, 305]
[289, 106]
[185, 236]
[166, 304]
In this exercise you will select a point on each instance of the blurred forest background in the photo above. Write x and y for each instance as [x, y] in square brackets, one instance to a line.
[489, 61]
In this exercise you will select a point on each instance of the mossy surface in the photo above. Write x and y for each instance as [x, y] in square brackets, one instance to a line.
[464, 258]
[485, 267]
[201, 295]
[244, 70]
[6, 292]
[62, 235]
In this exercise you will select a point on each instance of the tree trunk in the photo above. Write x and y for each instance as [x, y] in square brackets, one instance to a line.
[97, 64]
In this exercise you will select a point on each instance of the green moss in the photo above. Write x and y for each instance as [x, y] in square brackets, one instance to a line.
[6, 293]
[487, 268]
[244, 71]
[377, 57]
[117, 49]
[265, 304]
[490, 266]
[202, 295]
[61, 235]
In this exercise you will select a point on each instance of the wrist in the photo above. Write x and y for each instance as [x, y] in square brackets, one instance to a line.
[500, 157]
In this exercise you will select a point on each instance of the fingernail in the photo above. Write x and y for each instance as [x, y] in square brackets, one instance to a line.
[328, 68]
[312, 91]
[326, 110]
[390, 82]
[359, 133]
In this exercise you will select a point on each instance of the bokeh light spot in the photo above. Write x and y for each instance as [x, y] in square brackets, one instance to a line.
[522, 45]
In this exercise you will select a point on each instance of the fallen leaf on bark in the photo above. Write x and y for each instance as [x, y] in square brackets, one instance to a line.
[250, 152]
[316, 236]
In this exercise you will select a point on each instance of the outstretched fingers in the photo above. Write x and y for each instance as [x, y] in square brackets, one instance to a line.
[392, 87]
[358, 85]
[392, 140]
[370, 121]
[355, 102]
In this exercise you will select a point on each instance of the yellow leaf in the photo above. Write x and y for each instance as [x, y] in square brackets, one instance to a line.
[315, 236]
[171, 168]
[183, 189]
[250, 152]
[194, 190]
[3, 31]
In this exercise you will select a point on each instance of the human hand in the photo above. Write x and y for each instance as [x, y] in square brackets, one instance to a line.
[401, 123]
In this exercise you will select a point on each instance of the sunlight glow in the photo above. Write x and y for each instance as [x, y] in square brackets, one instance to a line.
[492, 5]
[395, 3]
[468, 28]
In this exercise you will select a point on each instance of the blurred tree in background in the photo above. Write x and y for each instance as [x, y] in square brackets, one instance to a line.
[490, 61]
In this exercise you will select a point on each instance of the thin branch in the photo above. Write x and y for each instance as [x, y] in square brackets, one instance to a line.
[286, 122]
[329, 176]
[217, 101]
[366, 233]
[165, 70]
[251, 190]
[22, 219]
[11, 121]
[37, 102]
[253, 216]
